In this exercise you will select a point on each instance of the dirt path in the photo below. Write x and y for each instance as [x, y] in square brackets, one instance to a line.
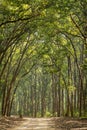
[36, 124]
[59, 123]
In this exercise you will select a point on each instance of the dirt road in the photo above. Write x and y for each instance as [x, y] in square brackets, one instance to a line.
[51, 124]
[36, 124]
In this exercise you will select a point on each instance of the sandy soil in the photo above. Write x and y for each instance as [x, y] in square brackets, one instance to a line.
[59, 123]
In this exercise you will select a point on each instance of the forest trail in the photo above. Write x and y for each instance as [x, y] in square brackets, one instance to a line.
[51, 124]
[36, 124]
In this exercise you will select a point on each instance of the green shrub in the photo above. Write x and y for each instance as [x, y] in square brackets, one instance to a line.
[48, 114]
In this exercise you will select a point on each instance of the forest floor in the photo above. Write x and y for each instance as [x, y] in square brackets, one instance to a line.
[54, 123]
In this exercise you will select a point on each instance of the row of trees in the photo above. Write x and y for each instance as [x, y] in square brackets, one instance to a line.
[43, 57]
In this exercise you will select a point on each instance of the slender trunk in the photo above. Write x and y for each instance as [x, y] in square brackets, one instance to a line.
[59, 99]
[53, 96]
[62, 102]
[35, 113]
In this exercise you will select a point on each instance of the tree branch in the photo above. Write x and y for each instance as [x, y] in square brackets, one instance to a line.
[19, 19]
[77, 26]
